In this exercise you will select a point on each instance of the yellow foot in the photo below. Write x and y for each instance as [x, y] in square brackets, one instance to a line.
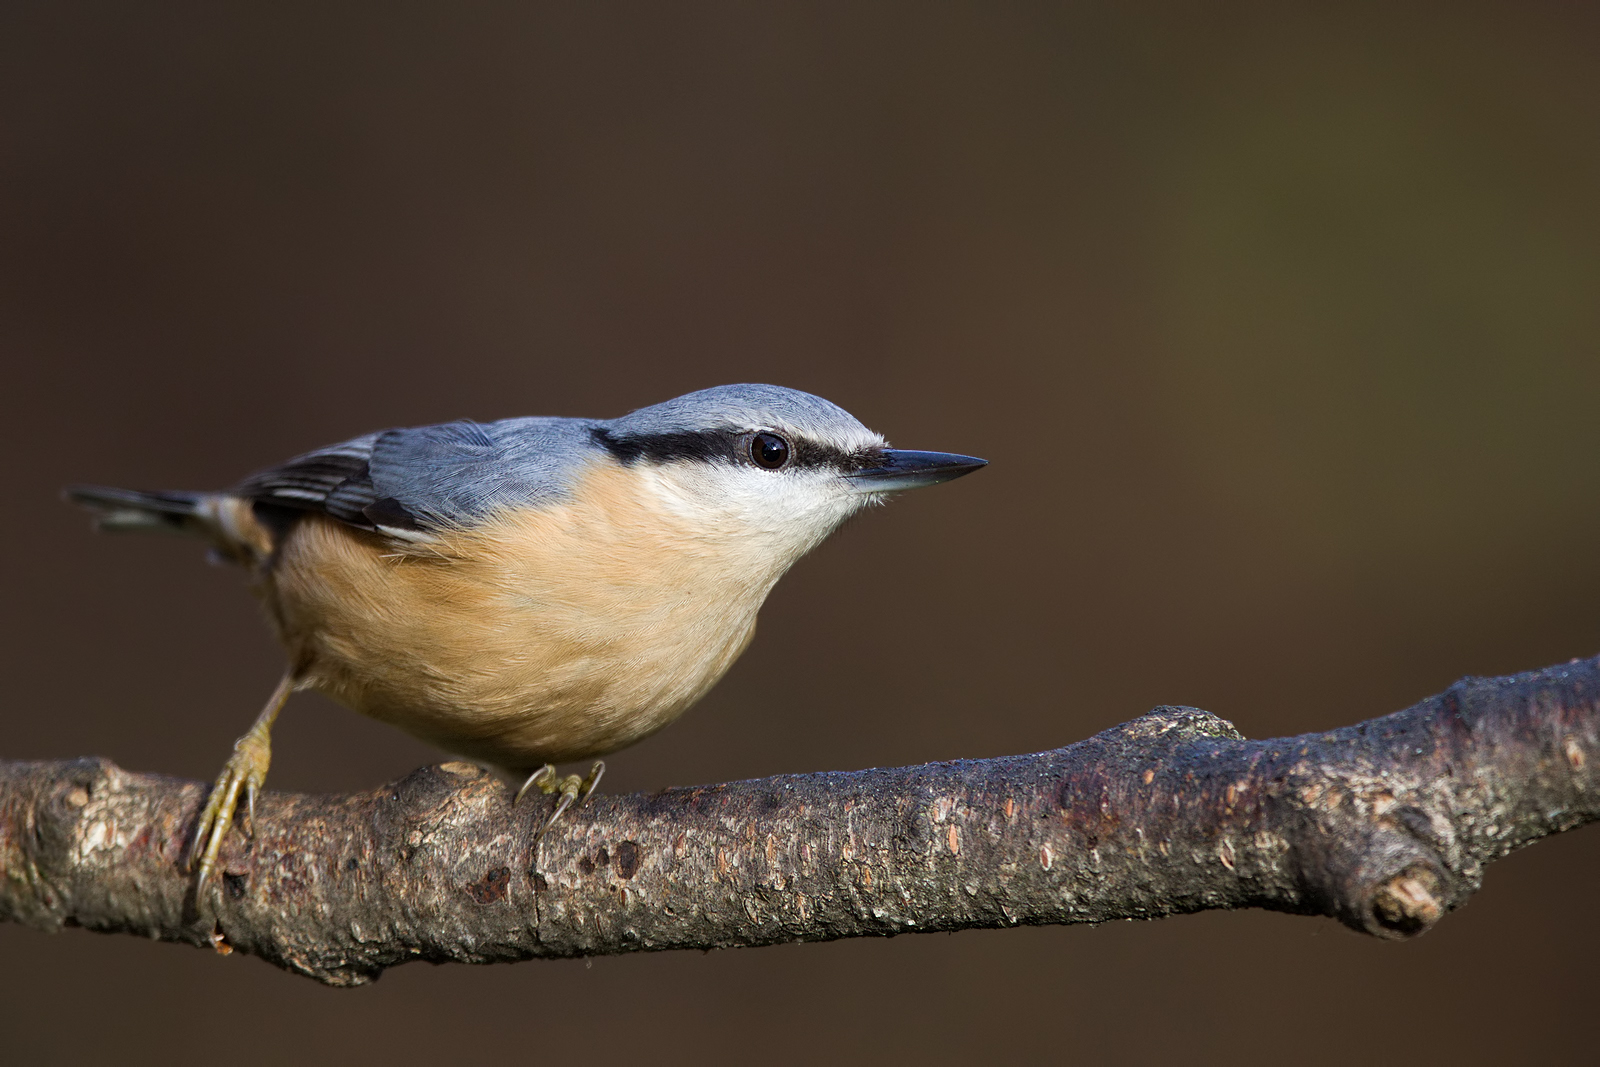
[573, 790]
[247, 770]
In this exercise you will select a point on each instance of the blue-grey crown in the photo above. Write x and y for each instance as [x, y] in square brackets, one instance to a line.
[708, 424]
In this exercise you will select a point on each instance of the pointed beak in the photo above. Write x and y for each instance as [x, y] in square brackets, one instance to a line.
[894, 469]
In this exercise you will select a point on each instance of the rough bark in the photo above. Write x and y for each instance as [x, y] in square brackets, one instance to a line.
[1384, 825]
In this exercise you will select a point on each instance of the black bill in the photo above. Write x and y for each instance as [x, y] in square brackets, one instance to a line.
[898, 468]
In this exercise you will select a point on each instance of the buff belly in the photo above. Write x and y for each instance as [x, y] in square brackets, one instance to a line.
[533, 638]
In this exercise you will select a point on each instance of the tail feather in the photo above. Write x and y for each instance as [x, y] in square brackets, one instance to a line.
[229, 522]
[128, 510]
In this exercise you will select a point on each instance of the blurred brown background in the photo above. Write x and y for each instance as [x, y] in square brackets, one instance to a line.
[1277, 322]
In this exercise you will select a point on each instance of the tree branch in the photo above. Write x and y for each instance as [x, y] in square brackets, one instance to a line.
[1384, 825]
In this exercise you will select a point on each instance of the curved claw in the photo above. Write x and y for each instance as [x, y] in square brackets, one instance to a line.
[246, 770]
[573, 790]
[561, 805]
[591, 783]
[249, 823]
[541, 778]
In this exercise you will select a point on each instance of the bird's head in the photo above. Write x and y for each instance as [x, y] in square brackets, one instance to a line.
[772, 468]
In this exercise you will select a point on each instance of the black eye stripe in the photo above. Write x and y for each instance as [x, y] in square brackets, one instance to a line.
[731, 446]
[666, 447]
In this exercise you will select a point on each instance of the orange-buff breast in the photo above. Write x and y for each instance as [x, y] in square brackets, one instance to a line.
[545, 634]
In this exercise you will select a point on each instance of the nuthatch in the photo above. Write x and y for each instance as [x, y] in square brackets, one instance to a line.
[535, 590]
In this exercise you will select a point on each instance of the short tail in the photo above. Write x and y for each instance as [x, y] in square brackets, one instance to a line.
[227, 521]
[125, 510]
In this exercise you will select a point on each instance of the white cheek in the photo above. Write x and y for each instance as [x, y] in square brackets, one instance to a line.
[786, 513]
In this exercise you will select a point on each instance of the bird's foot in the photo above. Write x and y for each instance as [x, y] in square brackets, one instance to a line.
[246, 770]
[573, 790]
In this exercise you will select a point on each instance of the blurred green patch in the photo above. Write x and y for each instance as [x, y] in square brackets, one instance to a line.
[1382, 285]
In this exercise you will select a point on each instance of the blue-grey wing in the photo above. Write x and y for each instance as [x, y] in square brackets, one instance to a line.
[412, 482]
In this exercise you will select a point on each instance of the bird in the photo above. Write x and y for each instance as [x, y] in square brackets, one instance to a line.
[530, 591]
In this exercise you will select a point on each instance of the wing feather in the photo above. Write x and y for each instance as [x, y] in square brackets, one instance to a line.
[410, 483]
[336, 481]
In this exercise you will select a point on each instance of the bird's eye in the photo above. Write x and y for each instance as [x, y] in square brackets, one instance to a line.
[769, 450]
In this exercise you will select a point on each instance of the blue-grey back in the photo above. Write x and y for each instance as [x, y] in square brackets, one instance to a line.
[462, 471]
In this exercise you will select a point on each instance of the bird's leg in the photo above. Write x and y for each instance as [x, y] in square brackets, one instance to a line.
[573, 790]
[246, 769]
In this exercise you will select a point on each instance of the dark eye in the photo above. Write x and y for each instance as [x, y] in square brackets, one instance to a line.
[769, 450]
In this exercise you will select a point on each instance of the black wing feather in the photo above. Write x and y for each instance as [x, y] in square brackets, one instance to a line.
[336, 481]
